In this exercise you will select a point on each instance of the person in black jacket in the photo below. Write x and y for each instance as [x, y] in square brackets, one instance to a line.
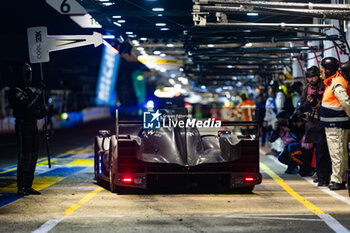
[314, 132]
[27, 106]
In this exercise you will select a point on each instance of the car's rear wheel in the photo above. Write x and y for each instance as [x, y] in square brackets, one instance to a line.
[112, 186]
[112, 169]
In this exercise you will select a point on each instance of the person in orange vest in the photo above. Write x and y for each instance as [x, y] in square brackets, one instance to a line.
[246, 110]
[335, 112]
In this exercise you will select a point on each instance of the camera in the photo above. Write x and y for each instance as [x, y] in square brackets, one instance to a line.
[315, 100]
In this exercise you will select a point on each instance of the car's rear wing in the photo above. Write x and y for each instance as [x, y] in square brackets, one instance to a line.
[254, 123]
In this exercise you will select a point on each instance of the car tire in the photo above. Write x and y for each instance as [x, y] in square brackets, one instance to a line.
[96, 165]
[112, 185]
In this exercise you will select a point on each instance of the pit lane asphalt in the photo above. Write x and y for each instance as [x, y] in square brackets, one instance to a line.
[74, 203]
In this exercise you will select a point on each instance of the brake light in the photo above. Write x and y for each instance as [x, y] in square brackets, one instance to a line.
[249, 179]
[127, 180]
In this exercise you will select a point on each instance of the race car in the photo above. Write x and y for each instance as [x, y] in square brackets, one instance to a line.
[135, 156]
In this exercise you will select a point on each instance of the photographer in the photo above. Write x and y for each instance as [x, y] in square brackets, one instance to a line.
[285, 131]
[314, 132]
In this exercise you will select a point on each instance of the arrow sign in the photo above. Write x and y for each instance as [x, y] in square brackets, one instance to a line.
[40, 44]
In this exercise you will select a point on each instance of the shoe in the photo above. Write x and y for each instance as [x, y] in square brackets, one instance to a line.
[323, 183]
[33, 191]
[315, 180]
[293, 170]
[23, 191]
[337, 186]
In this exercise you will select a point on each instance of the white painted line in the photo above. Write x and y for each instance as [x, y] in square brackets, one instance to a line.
[328, 219]
[269, 218]
[46, 227]
[324, 189]
[234, 216]
[333, 223]
[329, 192]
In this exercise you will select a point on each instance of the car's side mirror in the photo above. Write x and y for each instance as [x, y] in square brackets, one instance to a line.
[104, 133]
[223, 131]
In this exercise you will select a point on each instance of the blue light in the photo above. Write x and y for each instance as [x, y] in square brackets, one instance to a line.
[150, 104]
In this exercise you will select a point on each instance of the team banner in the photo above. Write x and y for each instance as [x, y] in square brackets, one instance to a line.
[107, 78]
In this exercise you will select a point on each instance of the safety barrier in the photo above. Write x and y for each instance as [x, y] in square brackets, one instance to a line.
[7, 124]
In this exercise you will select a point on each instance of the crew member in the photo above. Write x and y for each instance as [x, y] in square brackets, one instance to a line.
[27, 107]
[335, 112]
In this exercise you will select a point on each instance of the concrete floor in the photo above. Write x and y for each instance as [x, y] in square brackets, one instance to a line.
[71, 201]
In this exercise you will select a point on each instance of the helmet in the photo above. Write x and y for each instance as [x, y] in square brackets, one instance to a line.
[26, 74]
[346, 69]
[312, 72]
[330, 65]
[21, 74]
[283, 88]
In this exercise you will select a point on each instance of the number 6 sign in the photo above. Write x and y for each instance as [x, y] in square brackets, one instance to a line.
[67, 7]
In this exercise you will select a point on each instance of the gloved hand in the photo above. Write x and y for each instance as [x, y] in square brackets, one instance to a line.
[38, 91]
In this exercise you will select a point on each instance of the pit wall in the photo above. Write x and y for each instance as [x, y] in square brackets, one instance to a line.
[7, 124]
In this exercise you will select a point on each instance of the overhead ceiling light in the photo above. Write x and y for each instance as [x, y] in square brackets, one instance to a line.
[183, 80]
[177, 86]
[121, 21]
[119, 25]
[164, 29]
[230, 66]
[160, 15]
[170, 45]
[140, 48]
[160, 24]
[143, 38]
[252, 14]
[172, 81]
[132, 36]
[129, 33]
[162, 54]
[157, 9]
[203, 87]
[210, 45]
[108, 36]
[104, 0]
[108, 3]
[181, 69]
[162, 70]
[156, 52]
[135, 42]
[116, 16]
[248, 44]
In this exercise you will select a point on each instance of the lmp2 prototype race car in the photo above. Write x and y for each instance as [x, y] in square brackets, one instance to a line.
[135, 157]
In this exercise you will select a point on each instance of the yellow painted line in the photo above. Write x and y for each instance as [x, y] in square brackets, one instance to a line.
[85, 199]
[44, 162]
[9, 170]
[294, 194]
[38, 184]
[81, 162]
[87, 149]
